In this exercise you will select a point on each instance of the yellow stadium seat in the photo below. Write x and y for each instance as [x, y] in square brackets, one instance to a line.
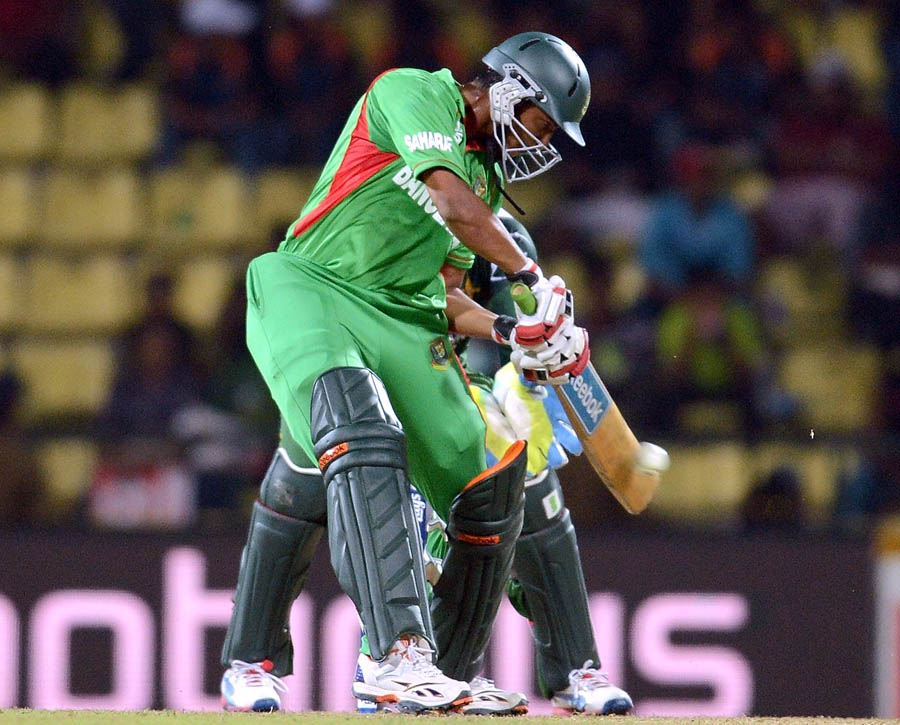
[856, 35]
[17, 205]
[136, 115]
[10, 292]
[201, 288]
[280, 194]
[711, 417]
[627, 284]
[98, 125]
[85, 124]
[705, 482]
[89, 209]
[68, 466]
[91, 294]
[811, 300]
[25, 122]
[63, 378]
[199, 208]
[836, 385]
[573, 269]
[817, 467]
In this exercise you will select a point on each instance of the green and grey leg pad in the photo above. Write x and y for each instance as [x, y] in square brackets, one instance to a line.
[286, 525]
[372, 531]
[485, 520]
[548, 569]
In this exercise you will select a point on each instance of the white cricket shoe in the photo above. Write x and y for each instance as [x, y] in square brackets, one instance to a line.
[250, 687]
[408, 678]
[488, 699]
[591, 692]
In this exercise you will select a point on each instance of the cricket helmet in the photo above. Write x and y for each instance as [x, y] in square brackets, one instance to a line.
[544, 70]
[519, 234]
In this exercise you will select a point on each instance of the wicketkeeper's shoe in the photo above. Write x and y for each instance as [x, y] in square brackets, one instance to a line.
[488, 699]
[591, 692]
[408, 678]
[251, 687]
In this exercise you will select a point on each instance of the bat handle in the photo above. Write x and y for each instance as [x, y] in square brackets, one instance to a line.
[524, 298]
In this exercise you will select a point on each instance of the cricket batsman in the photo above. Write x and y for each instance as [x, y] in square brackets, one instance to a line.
[549, 587]
[348, 325]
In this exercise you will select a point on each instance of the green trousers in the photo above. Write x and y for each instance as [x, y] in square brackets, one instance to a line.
[300, 325]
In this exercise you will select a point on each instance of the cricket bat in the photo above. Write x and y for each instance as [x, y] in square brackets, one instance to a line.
[629, 469]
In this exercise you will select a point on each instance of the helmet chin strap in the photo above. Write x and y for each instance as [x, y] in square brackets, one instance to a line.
[494, 154]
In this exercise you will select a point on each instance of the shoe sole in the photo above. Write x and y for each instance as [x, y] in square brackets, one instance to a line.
[509, 712]
[613, 707]
[411, 706]
[258, 706]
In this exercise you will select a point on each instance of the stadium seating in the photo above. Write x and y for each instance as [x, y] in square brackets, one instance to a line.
[90, 209]
[817, 467]
[63, 378]
[26, 124]
[17, 220]
[193, 208]
[280, 194]
[93, 294]
[705, 482]
[67, 465]
[83, 222]
[97, 126]
[836, 385]
[10, 293]
[201, 287]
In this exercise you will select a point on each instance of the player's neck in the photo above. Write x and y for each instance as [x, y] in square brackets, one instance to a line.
[478, 112]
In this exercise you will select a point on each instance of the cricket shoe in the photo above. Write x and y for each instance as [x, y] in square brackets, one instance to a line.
[591, 692]
[488, 699]
[250, 687]
[408, 679]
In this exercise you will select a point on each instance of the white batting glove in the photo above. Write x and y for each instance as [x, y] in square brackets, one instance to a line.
[553, 306]
[557, 363]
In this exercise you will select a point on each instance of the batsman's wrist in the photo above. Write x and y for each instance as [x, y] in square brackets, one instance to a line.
[530, 274]
[502, 329]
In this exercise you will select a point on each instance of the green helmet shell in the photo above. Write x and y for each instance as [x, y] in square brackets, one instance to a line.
[558, 71]
[519, 234]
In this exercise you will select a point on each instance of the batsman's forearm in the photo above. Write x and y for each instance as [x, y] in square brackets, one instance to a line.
[467, 317]
[472, 221]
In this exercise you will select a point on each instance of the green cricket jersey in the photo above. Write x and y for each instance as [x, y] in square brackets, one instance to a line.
[369, 224]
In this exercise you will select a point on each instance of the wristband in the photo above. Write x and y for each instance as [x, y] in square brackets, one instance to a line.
[502, 329]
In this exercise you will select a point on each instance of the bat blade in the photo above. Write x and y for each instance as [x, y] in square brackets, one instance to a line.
[630, 470]
[609, 444]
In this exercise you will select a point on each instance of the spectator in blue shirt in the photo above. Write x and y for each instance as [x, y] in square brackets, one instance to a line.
[695, 227]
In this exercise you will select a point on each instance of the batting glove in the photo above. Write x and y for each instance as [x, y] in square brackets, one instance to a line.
[553, 306]
[556, 364]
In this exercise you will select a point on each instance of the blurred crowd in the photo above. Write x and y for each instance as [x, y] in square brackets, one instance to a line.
[722, 135]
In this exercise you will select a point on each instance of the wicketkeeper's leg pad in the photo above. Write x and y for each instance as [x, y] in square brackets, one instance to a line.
[372, 531]
[548, 569]
[285, 528]
[485, 520]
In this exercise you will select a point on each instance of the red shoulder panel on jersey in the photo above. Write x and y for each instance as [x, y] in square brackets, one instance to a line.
[362, 160]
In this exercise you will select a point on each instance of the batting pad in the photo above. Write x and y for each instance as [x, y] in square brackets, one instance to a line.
[484, 523]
